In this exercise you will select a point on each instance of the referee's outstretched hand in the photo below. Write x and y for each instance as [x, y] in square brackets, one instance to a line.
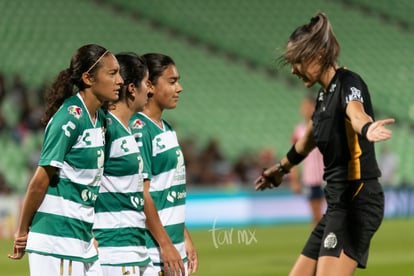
[269, 179]
[378, 132]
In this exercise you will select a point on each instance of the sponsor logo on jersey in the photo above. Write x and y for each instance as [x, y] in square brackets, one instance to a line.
[75, 110]
[137, 202]
[173, 195]
[137, 124]
[180, 176]
[88, 195]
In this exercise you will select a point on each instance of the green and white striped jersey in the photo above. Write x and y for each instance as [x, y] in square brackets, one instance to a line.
[62, 226]
[164, 166]
[120, 220]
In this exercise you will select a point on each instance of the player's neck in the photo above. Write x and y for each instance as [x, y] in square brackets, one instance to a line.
[154, 115]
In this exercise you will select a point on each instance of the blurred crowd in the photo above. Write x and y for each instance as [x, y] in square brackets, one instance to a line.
[208, 166]
[21, 108]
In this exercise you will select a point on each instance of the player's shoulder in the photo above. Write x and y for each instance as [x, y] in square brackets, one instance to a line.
[70, 111]
[348, 76]
[138, 123]
[168, 125]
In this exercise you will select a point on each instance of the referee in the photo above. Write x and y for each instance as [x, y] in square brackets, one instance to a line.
[343, 128]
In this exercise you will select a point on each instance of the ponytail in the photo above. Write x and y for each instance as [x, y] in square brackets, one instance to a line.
[310, 40]
[61, 89]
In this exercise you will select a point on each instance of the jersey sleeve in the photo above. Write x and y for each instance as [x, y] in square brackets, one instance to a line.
[353, 89]
[60, 135]
[145, 148]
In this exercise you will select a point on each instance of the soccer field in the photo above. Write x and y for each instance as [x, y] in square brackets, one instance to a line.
[272, 250]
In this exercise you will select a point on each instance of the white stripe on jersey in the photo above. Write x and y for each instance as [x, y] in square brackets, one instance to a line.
[123, 146]
[122, 255]
[154, 253]
[56, 164]
[122, 219]
[172, 215]
[169, 141]
[82, 176]
[66, 208]
[158, 182]
[90, 138]
[60, 245]
[121, 184]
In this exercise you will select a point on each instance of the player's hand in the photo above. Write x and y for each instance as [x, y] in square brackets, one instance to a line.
[269, 179]
[192, 259]
[19, 247]
[173, 264]
[377, 131]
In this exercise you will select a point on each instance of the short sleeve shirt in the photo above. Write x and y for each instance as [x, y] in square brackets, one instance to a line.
[347, 155]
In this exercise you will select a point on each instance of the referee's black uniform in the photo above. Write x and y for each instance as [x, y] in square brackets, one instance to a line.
[354, 196]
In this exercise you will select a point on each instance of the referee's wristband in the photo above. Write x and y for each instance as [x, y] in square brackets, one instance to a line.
[364, 129]
[294, 157]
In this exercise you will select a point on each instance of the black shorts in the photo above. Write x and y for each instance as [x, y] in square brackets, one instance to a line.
[354, 213]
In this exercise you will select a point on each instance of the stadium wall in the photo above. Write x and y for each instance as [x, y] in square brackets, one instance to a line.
[218, 209]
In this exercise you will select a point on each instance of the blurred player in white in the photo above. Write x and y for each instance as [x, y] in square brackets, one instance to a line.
[309, 177]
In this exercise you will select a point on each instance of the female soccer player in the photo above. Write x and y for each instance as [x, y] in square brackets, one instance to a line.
[344, 129]
[169, 244]
[120, 220]
[55, 224]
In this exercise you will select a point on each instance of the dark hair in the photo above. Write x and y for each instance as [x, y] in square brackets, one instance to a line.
[86, 59]
[157, 63]
[132, 69]
[311, 39]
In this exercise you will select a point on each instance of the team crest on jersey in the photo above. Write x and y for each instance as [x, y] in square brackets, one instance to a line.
[75, 110]
[137, 124]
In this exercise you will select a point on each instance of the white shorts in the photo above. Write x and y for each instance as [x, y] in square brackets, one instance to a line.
[126, 270]
[43, 265]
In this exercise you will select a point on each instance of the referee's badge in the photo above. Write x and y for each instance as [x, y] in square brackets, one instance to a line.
[330, 241]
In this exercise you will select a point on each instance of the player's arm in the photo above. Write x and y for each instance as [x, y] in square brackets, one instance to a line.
[363, 124]
[191, 252]
[273, 176]
[170, 255]
[35, 194]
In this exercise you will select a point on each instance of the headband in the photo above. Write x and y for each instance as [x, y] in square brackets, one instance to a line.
[96, 62]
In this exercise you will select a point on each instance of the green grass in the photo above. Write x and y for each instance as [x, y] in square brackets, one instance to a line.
[272, 250]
